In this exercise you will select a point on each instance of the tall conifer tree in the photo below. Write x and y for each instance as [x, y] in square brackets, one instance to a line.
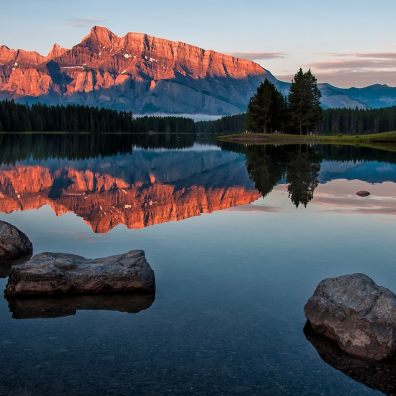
[304, 102]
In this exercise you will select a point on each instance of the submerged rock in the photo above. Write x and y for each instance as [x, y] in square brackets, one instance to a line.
[55, 307]
[363, 194]
[356, 313]
[14, 244]
[49, 274]
[380, 376]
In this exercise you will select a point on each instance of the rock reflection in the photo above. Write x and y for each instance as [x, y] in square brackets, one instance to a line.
[380, 376]
[32, 308]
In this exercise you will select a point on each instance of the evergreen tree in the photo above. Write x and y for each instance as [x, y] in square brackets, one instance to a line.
[266, 109]
[304, 102]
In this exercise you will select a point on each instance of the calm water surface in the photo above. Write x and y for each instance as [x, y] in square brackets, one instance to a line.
[238, 239]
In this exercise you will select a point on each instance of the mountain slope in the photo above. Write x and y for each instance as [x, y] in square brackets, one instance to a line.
[136, 72]
[146, 74]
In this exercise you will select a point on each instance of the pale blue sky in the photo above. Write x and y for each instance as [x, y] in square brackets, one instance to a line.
[349, 42]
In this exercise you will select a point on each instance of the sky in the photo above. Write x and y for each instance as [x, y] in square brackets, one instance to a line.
[346, 43]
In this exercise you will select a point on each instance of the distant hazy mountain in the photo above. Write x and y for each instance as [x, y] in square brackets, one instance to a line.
[146, 74]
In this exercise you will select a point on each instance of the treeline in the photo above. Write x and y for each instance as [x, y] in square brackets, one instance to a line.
[227, 124]
[163, 124]
[334, 121]
[72, 118]
[16, 117]
[358, 121]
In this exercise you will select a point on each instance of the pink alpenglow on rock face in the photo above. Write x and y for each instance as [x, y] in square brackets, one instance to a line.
[49, 274]
[357, 314]
[136, 72]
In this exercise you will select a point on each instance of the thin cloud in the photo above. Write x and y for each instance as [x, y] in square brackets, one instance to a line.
[258, 55]
[86, 22]
[369, 55]
[359, 78]
[355, 64]
[358, 69]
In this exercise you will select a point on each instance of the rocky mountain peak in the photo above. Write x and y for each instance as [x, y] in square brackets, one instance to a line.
[56, 51]
[101, 35]
[146, 74]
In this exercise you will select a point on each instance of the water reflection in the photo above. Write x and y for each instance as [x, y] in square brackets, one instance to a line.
[299, 165]
[22, 147]
[32, 308]
[138, 189]
[114, 179]
[376, 375]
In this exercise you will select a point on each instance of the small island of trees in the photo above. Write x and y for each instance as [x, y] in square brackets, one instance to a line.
[299, 112]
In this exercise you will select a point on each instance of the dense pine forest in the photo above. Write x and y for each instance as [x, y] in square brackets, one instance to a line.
[41, 118]
[334, 122]
[227, 124]
[18, 117]
[357, 121]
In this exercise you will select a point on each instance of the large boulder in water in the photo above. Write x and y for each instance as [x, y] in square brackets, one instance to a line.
[49, 274]
[356, 313]
[380, 376]
[14, 244]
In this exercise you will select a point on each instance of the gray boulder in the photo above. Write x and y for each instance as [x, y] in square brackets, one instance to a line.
[49, 274]
[356, 313]
[14, 244]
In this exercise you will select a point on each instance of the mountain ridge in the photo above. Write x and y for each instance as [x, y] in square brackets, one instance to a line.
[147, 74]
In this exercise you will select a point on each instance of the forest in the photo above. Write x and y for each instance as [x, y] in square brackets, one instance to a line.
[334, 121]
[72, 118]
[16, 117]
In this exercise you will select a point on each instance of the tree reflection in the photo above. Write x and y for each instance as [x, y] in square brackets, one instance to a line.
[303, 175]
[266, 166]
[298, 166]
[20, 147]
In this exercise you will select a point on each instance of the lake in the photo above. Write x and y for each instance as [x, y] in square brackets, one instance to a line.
[238, 238]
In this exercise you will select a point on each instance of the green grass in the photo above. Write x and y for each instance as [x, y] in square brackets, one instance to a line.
[383, 141]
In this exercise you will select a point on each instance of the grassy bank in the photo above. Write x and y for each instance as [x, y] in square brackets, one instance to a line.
[385, 140]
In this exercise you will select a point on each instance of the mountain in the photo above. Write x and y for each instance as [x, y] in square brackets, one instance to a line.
[146, 74]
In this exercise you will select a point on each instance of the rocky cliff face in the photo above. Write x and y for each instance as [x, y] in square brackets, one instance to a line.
[146, 74]
[137, 72]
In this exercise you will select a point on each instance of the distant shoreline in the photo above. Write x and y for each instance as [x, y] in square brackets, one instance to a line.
[385, 140]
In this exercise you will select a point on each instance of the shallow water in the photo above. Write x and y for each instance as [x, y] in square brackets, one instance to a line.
[233, 269]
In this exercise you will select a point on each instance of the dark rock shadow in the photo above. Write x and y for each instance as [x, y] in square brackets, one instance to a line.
[34, 308]
[6, 265]
[380, 376]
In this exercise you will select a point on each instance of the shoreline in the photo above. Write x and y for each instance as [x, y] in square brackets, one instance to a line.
[384, 141]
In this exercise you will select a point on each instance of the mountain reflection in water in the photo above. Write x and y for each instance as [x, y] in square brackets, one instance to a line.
[115, 179]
